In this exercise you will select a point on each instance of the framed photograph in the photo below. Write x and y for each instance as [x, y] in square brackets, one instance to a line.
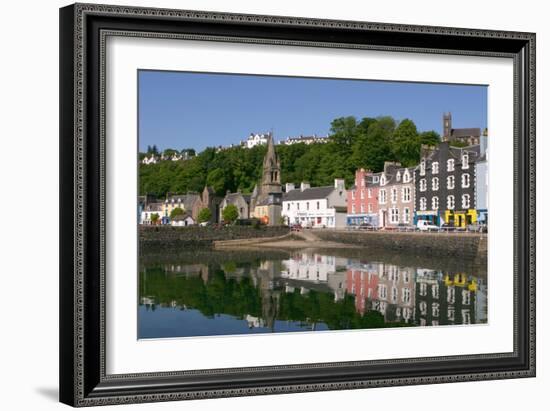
[262, 204]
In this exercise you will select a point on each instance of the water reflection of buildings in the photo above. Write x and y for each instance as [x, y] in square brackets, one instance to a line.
[449, 298]
[401, 294]
[385, 288]
[315, 271]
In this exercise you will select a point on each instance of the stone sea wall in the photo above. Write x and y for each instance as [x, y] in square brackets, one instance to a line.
[467, 246]
[157, 238]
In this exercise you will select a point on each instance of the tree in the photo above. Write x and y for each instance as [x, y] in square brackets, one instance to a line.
[343, 131]
[154, 218]
[204, 215]
[230, 213]
[405, 143]
[430, 138]
[217, 180]
[176, 212]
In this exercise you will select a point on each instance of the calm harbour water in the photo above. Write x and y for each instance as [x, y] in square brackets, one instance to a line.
[250, 292]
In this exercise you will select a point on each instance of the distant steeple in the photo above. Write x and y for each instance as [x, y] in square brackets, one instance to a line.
[271, 176]
[447, 126]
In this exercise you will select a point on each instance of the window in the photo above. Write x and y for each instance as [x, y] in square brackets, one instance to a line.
[465, 180]
[450, 164]
[406, 276]
[362, 194]
[435, 167]
[406, 215]
[382, 196]
[307, 205]
[288, 206]
[406, 295]
[297, 206]
[465, 201]
[465, 297]
[369, 207]
[406, 194]
[423, 184]
[451, 314]
[451, 295]
[398, 176]
[394, 215]
[363, 182]
[394, 294]
[435, 309]
[466, 317]
[353, 208]
[423, 308]
[450, 182]
[362, 208]
[422, 203]
[394, 195]
[318, 205]
[435, 291]
[465, 161]
[383, 180]
[435, 203]
[435, 184]
[369, 193]
[423, 167]
[353, 195]
[423, 289]
[451, 202]
[406, 176]
[382, 291]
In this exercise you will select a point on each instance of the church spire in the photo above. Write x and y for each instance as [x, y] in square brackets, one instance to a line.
[271, 176]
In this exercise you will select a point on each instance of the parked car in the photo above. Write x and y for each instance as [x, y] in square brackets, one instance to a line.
[425, 225]
[366, 226]
[448, 227]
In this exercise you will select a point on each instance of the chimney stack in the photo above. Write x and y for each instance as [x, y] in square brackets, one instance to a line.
[289, 187]
[304, 186]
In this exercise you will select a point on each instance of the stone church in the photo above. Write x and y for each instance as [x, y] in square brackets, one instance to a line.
[266, 200]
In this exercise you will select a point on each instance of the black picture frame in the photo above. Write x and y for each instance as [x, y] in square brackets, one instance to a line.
[83, 381]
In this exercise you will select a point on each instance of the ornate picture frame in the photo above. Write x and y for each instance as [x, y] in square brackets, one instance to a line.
[84, 29]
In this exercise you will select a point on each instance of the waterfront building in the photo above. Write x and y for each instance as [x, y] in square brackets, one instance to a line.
[182, 220]
[316, 207]
[152, 208]
[396, 191]
[445, 185]
[241, 201]
[190, 203]
[363, 199]
[481, 183]
[464, 136]
[152, 159]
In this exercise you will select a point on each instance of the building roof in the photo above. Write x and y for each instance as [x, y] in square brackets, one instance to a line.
[187, 200]
[465, 132]
[181, 217]
[232, 197]
[153, 207]
[312, 193]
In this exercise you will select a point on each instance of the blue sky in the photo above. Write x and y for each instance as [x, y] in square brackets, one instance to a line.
[195, 110]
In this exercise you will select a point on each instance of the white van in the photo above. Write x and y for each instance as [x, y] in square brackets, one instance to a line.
[425, 225]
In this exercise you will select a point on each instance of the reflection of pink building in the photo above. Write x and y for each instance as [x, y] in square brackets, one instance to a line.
[363, 199]
[363, 283]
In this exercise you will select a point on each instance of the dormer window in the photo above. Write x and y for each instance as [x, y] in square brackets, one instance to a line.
[398, 176]
[465, 161]
[383, 180]
[406, 176]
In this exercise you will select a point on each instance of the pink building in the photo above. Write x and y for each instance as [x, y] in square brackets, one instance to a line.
[363, 199]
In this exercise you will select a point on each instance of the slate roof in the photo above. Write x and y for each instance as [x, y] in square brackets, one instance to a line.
[312, 193]
[181, 217]
[465, 132]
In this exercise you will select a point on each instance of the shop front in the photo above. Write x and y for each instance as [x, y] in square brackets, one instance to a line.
[460, 218]
[431, 216]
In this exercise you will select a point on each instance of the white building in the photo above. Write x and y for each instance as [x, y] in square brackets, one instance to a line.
[316, 207]
[254, 140]
[152, 159]
[305, 140]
